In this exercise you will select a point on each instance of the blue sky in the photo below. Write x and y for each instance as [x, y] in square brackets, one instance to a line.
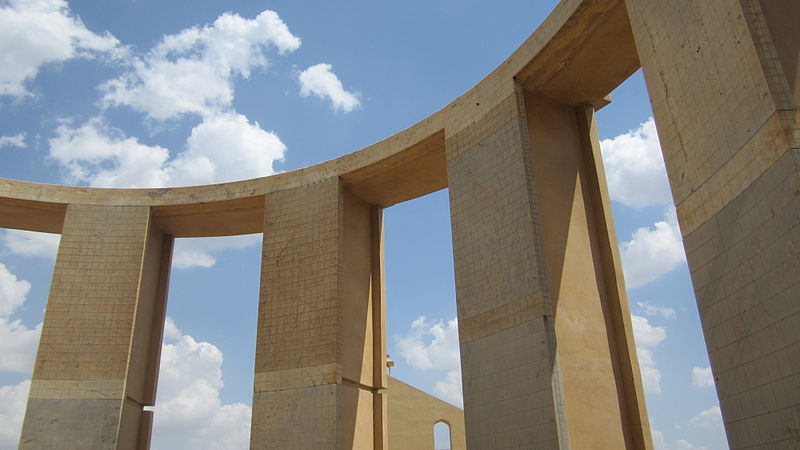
[189, 92]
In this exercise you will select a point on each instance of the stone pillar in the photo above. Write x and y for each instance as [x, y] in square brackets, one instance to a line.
[320, 349]
[100, 347]
[546, 345]
[724, 83]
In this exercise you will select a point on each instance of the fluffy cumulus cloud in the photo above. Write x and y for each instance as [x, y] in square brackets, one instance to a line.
[652, 252]
[17, 140]
[710, 419]
[191, 72]
[30, 243]
[99, 155]
[433, 345]
[17, 341]
[635, 167]
[188, 72]
[18, 345]
[647, 337]
[637, 178]
[224, 147]
[702, 377]
[200, 252]
[189, 413]
[653, 310]
[35, 33]
[318, 80]
[18, 348]
[12, 291]
[12, 410]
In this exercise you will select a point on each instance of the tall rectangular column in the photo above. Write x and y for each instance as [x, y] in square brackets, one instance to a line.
[98, 356]
[724, 82]
[319, 364]
[602, 389]
[513, 397]
[546, 345]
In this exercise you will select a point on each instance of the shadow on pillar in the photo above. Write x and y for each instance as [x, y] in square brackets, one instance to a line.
[98, 358]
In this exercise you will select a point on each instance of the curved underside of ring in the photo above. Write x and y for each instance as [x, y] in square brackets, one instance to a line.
[577, 56]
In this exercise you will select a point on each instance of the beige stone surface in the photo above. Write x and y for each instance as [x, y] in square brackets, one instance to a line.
[99, 350]
[413, 414]
[582, 291]
[725, 102]
[548, 358]
[321, 297]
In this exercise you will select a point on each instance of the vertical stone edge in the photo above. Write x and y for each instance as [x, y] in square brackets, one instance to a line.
[62, 388]
[145, 357]
[380, 382]
[299, 355]
[559, 400]
[636, 418]
[521, 314]
[737, 204]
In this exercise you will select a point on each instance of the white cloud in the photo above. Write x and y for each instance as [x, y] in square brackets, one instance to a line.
[440, 353]
[653, 310]
[191, 72]
[648, 337]
[189, 413]
[433, 345]
[645, 334]
[30, 243]
[17, 342]
[12, 291]
[187, 258]
[101, 156]
[710, 419]
[17, 140]
[449, 388]
[18, 345]
[171, 331]
[35, 33]
[653, 252]
[635, 167]
[318, 80]
[651, 376]
[702, 377]
[12, 411]
[199, 252]
[224, 147]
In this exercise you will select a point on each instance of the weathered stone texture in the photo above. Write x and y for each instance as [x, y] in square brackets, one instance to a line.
[548, 356]
[413, 414]
[722, 77]
[93, 374]
[299, 320]
[312, 366]
[508, 352]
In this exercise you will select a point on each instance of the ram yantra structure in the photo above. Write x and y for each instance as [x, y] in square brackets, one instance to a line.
[547, 351]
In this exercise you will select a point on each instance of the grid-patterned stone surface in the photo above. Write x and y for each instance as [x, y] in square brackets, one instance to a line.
[721, 84]
[84, 373]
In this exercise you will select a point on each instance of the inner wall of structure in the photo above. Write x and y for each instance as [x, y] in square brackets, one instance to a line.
[539, 286]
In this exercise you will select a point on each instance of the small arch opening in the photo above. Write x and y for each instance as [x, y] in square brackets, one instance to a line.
[441, 435]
